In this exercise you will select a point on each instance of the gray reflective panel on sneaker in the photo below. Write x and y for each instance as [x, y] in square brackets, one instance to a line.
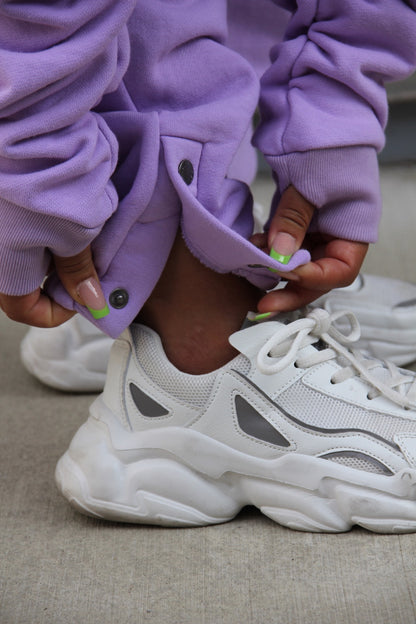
[359, 461]
[145, 404]
[253, 423]
[307, 426]
[406, 304]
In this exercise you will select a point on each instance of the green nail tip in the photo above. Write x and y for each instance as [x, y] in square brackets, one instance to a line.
[260, 317]
[252, 316]
[279, 257]
[99, 314]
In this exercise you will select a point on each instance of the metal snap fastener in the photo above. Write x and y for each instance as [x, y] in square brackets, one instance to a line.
[186, 171]
[119, 298]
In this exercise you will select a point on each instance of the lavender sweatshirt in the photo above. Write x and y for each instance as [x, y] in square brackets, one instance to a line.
[121, 121]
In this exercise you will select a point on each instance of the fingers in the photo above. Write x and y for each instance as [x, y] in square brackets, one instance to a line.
[292, 297]
[289, 225]
[35, 309]
[337, 265]
[79, 278]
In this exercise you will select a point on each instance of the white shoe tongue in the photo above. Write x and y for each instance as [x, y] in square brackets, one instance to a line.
[249, 340]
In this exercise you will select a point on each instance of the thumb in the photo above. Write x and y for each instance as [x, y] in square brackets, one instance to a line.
[289, 225]
[79, 278]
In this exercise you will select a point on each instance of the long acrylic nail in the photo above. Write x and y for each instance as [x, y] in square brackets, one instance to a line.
[283, 247]
[255, 317]
[90, 292]
[289, 276]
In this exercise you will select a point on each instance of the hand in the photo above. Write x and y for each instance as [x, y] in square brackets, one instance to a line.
[335, 262]
[79, 277]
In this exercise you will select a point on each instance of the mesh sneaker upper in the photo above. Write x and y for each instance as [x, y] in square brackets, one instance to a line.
[326, 412]
[193, 390]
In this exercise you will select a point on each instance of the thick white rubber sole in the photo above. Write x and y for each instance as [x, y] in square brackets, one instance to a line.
[179, 477]
[67, 375]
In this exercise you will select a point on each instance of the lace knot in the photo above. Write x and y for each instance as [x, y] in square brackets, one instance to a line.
[322, 321]
[287, 345]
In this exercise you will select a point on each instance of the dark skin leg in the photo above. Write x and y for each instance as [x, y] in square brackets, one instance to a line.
[195, 309]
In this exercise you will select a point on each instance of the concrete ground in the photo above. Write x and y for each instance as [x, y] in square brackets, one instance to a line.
[58, 567]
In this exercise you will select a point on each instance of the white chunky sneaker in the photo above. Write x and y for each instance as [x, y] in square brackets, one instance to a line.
[317, 437]
[72, 357]
[386, 311]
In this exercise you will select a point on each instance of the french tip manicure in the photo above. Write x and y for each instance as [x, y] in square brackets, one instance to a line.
[91, 294]
[286, 244]
[255, 317]
[279, 257]
[99, 314]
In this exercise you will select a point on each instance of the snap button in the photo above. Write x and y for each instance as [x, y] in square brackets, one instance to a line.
[186, 171]
[119, 298]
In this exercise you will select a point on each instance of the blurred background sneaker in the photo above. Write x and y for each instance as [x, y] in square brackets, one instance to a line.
[386, 311]
[74, 356]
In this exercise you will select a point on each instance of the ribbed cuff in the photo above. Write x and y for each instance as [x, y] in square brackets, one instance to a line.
[26, 240]
[343, 184]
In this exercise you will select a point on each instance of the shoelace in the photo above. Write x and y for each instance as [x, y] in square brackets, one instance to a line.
[287, 346]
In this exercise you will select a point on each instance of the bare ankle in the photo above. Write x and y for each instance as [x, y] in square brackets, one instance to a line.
[194, 310]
